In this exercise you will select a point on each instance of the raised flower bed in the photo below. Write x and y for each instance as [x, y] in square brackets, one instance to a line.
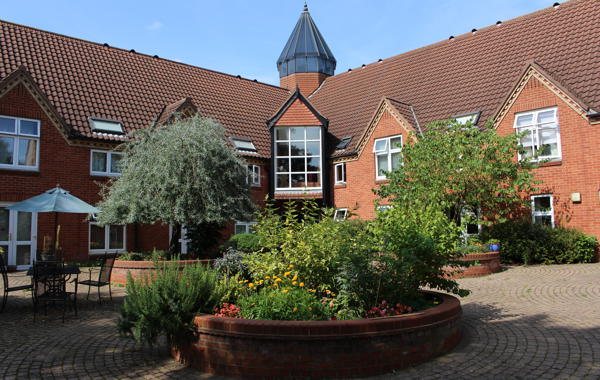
[483, 263]
[349, 348]
[143, 268]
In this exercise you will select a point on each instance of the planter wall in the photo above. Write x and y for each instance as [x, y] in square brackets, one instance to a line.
[142, 268]
[489, 262]
[316, 349]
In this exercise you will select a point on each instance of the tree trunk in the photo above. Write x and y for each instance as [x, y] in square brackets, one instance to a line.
[175, 236]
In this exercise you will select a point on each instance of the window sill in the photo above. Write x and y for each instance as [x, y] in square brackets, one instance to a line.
[378, 181]
[341, 185]
[104, 175]
[550, 163]
[20, 171]
[103, 252]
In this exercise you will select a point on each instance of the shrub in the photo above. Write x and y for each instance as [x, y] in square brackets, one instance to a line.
[525, 242]
[287, 304]
[244, 242]
[143, 256]
[167, 303]
[231, 263]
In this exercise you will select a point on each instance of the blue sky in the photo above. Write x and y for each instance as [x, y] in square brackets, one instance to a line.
[246, 37]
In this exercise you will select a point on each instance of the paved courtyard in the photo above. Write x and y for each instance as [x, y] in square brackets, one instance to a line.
[539, 322]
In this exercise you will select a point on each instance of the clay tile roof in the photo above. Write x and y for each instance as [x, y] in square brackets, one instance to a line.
[83, 79]
[407, 112]
[472, 72]
[171, 109]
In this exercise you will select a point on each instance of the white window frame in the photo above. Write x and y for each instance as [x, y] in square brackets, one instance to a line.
[340, 181]
[535, 129]
[17, 136]
[247, 226]
[535, 213]
[306, 157]
[109, 155]
[340, 214]
[253, 175]
[387, 151]
[106, 239]
[383, 207]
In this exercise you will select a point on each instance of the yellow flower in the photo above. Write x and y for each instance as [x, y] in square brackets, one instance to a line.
[287, 274]
[295, 309]
[250, 285]
[294, 282]
[295, 278]
[240, 282]
[301, 284]
[245, 280]
[291, 266]
[310, 308]
[278, 280]
[284, 291]
[267, 277]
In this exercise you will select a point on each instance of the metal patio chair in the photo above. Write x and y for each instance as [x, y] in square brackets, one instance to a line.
[50, 287]
[7, 288]
[106, 267]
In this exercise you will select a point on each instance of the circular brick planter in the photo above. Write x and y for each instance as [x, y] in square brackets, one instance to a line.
[143, 268]
[489, 262]
[316, 349]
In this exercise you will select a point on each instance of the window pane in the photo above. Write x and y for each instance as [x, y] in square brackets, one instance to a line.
[7, 125]
[313, 133]
[298, 165]
[28, 127]
[96, 237]
[7, 148]
[527, 144]
[548, 140]
[297, 148]
[283, 164]
[282, 149]
[312, 180]
[115, 237]
[382, 164]
[339, 173]
[296, 133]
[313, 148]
[380, 145]
[23, 226]
[99, 162]
[313, 164]
[23, 254]
[396, 160]
[546, 116]
[240, 228]
[523, 120]
[298, 180]
[282, 133]
[115, 163]
[396, 143]
[472, 229]
[283, 180]
[543, 219]
[27, 152]
[4, 220]
[541, 204]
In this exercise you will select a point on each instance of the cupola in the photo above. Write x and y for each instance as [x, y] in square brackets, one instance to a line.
[306, 60]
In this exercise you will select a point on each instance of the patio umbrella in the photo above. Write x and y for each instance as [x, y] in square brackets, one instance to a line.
[55, 200]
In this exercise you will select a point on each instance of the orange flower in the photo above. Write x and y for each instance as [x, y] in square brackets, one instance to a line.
[301, 284]
[284, 291]
[295, 278]
[294, 282]
[295, 309]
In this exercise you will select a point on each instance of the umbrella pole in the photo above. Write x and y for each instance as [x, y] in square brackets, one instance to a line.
[55, 232]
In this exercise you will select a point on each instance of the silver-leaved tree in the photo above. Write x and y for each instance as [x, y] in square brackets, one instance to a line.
[183, 173]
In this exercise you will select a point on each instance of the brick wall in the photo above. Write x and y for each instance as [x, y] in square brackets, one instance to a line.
[357, 194]
[578, 169]
[306, 82]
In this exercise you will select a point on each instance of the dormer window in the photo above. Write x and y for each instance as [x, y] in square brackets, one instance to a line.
[298, 158]
[465, 118]
[106, 125]
[243, 145]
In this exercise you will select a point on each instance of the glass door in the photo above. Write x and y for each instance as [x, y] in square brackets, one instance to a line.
[18, 237]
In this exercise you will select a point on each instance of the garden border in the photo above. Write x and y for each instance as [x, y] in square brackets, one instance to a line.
[350, 348]
[489, 262]
[143, 267]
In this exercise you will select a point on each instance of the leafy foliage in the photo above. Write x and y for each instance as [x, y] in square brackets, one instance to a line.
[525, 242]
[231, 264]
[460, 167]
[142, 256]
[181, 173]
[247, 242]
[166, 303]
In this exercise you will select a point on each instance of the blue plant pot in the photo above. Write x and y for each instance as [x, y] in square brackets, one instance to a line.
[494, 247]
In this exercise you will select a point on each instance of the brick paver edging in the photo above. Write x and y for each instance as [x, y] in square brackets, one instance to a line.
[142, 268]
[317, 349]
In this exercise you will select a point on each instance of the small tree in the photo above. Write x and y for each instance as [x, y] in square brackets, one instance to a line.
[460, 167]
[181, 173]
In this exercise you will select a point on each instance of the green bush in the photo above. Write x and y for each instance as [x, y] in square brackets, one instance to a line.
[231, 263]
[522, 241]
[167, 303]
[293, 304]
[244, 242]
[143, 256]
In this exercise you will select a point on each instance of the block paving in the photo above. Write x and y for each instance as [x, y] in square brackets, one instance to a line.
[538, 322]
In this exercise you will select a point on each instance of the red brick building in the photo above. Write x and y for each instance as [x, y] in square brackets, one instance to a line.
[66, 104]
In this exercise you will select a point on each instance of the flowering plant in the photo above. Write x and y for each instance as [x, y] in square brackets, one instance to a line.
[385, 309]
[228, 310]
